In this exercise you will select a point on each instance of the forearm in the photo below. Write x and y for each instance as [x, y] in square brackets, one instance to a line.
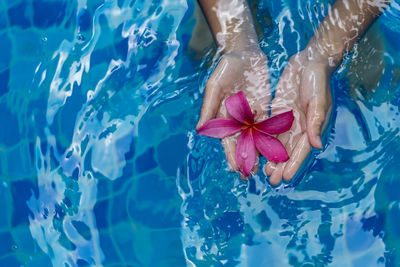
[345, 23]
[231, 24]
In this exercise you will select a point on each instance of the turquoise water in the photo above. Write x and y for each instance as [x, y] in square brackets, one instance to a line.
[100, 164]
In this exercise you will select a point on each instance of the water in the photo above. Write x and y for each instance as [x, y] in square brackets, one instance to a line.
[100, 164]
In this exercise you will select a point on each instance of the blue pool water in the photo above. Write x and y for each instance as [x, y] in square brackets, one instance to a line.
[100, 164]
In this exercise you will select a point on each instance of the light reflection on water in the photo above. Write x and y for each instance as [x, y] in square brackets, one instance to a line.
[64, 223]
[338, 212]
[119, 177]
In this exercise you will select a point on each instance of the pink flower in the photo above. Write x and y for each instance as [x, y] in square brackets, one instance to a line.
[254, 134]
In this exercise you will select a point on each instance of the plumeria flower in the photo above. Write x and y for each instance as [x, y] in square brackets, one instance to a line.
[254, 135]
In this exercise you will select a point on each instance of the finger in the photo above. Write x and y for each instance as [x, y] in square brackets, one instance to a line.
[291, 142]
[229, 144]
[256, 164]
[300, 152]
[211, 102]
[315, 118]
[276, 176]
[270, 167]
[288, 139]
[244, 177]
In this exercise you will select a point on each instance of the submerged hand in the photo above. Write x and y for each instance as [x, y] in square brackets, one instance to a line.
[245, 71]
[303, 87]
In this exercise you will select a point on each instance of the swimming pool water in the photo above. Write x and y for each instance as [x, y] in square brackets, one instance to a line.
[100, 164]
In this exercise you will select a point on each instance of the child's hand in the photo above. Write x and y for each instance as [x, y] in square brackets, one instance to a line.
[304, 84]
[245, 71]
[304, 87]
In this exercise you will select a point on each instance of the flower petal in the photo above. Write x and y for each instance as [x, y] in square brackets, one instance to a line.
[270, 147]
[277, 124]
[238, 107]
[220, 128]
[245, 152]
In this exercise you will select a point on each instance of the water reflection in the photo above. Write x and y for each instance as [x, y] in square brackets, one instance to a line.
[343, 210]
[96, 96]
[117, 175]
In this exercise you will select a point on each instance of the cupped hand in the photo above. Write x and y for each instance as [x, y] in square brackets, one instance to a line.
[303, 87]
[244, 71]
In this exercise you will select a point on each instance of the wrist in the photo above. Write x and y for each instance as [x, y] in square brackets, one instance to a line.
[246, 54]
[236, 43]
[325, 51]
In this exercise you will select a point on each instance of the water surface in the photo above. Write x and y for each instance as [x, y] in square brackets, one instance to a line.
[100, 164]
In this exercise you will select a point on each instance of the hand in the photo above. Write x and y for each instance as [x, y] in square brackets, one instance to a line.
[245, 71]
[303, 87]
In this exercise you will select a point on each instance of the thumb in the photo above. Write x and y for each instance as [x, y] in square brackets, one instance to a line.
[211, 102]
[315, 117]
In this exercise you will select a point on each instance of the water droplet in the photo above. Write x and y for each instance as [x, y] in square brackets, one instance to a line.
[44, 39]
[244, 155]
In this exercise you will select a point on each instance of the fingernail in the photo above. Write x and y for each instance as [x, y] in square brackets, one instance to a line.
[232, 167]
[319, 142]
[243, 177]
